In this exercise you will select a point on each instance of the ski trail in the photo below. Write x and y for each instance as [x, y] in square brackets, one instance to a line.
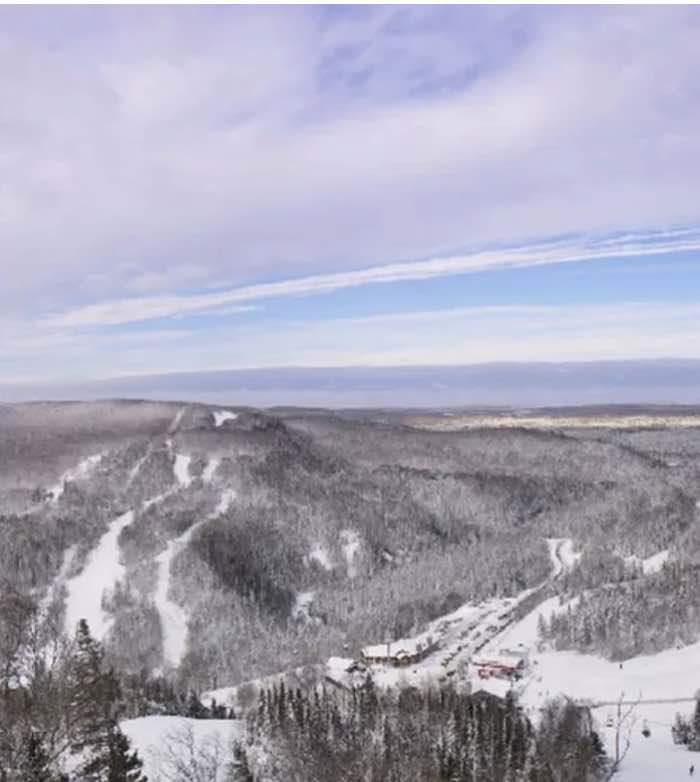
[102, 570]
[82, 470]
[176, 420]
[173, 617]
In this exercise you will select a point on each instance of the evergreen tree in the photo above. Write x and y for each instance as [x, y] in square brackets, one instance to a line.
[116, 762]
[240, 771]
[34, 763]
[94, 694]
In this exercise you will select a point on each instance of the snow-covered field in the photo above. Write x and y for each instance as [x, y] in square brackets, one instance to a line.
[651, 564]
[161, 740]
[181, 469]
[221, 416]
[672, 675]
[101, 572]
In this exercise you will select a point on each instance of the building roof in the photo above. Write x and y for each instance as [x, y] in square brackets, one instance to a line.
[404, 647]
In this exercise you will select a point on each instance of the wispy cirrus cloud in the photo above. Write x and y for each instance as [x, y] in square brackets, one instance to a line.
[631, 245]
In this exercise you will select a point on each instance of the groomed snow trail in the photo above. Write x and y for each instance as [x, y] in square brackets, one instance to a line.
[181, 469]
[173, 617]
[351, 545]
[101, 572]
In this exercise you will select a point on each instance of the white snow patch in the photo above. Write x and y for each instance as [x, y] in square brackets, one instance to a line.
[181, 468]
[320, 554]
[101, 572]
[153, 736]
[225, 502]
[561, 552]
[82, 470]
[651, 564]
[134, 471]
[351, 545]
[221, 416]
[210, 469]
[173, 618]
[300, 609]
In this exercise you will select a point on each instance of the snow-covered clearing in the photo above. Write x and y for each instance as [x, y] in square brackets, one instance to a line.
[157, 738]
[300, 609]
[350, 543]
[173, 618]
[221, 416]
[83, 469]
[561, 552]
[181, 469]
[100, 573]
[670, 675]
[225, 501]
[319, 553]
[211, 467]
[651, 564]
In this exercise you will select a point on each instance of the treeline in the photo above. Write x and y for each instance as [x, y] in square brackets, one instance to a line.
[639, 616]
[415, 736]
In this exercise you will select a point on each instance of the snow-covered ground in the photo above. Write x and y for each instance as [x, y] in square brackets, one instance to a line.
[221, 416]
[173, 618]
[225, 502]
[651, 564]
[83, 469]
[158, 738]
[300, 609]
[320, 554]
[100, 573]
[181, 469]
[211, 467]
[350, 544]
[672, 675]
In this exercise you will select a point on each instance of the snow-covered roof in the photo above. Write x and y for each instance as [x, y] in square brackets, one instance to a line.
[401, 648]
[503, 660]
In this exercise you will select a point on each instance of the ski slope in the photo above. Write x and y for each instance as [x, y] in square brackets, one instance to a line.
[173, 618]
[663, 683]
[100, 573]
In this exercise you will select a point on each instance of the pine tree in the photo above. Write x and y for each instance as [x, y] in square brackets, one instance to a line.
[240, 771]
[94, 694]
[116, 762]
[34, 763]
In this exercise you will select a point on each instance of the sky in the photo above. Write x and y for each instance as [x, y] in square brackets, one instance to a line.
[207, 188]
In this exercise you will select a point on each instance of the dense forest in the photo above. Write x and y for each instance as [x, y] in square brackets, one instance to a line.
[415, 736]
[437, 519]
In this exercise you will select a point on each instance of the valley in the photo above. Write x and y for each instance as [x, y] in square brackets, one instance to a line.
[227, 550]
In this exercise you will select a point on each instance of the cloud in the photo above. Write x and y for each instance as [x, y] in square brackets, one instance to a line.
[464, 335]
[611, 247]
[257, 143]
